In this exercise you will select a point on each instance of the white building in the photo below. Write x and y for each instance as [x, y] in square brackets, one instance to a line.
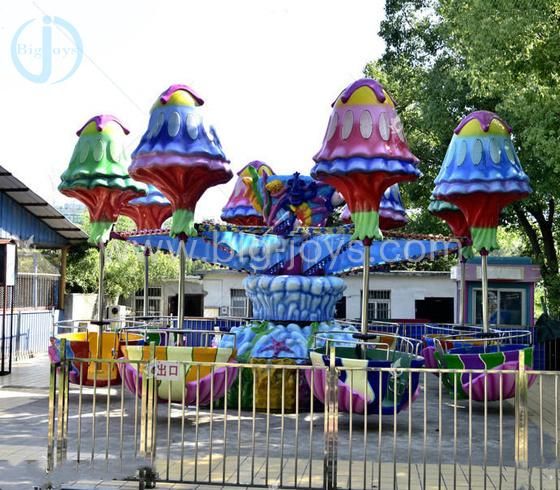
[398, 295]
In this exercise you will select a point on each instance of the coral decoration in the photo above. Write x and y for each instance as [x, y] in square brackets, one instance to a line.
[180, 154]
[481, 174]
[364, 152]
[97, 174]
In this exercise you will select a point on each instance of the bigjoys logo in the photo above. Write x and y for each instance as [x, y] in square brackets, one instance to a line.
[47, 50]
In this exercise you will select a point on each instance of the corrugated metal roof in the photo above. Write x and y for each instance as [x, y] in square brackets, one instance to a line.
[49, 228]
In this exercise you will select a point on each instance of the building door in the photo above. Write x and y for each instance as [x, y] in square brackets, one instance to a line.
[194, 305]
[438, 310]
[340, 309]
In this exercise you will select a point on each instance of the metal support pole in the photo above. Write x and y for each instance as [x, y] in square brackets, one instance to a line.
[62, 281]
[181, 298]
[484, 255]
[521, 415]
[462, 292]
[149, 403]
[52, 418]
[100, 298]
[3, 345]
[62, 426]
[365, 286]
[331, 423]
[146, 279]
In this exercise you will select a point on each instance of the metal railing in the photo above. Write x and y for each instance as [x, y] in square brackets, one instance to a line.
[287, 438]
[30, 332]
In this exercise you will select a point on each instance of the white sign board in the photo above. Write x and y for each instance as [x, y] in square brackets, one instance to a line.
[164, 370]
[502, 273]
[8, 264]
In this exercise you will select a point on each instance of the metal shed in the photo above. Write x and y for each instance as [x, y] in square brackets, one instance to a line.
[28, 306]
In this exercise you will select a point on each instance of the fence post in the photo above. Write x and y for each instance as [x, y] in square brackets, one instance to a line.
[521, 415]
[62, 427]
[149, 399]
[52, 418]
[331, 423]
[17, 350]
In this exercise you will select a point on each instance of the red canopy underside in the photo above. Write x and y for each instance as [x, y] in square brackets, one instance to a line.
[147, 217]
[482, 210]
[362, 191]
[456, 222]
[386, 224]
[247, 221]
[103, 203]
[182, 185]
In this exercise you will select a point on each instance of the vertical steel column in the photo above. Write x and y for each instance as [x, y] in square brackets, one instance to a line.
[3, 339]
[146, 279]
[181, 296]
[484, 255]
[11, 345]
[365, 285]
[62, 280]
[149, 405]
[62, 427]
[331, 424]
[52, 418]
[521, 415]
[100, 298]
[462, 292]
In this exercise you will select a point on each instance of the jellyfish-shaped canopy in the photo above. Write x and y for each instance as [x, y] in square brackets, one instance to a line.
[364, 152]
[392, 214]
[148, 212]
[455, 219]
[244, 207]
[481, 174]
[180, 154]
[97, 174]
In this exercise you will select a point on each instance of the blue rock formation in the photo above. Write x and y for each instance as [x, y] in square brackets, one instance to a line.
[294, 298]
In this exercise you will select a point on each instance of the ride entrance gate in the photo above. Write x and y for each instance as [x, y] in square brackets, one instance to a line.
[286, 438]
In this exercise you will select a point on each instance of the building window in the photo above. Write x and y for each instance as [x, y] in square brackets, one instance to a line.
[240, 305]
[154, 301]
[505, 306]
[379, 304]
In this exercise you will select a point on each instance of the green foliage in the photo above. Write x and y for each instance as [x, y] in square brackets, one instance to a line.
[82, 273]
[446, 58]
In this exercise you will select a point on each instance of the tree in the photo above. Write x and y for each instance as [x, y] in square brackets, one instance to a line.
[445, 58]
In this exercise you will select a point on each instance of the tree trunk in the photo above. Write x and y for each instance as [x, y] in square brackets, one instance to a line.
[530, 232]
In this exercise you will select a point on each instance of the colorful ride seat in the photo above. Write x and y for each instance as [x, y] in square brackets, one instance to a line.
[201, 384]
[83, 345]
[484, 385]
[364, 390]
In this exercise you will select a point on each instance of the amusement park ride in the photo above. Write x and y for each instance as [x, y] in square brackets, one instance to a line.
[278, 231]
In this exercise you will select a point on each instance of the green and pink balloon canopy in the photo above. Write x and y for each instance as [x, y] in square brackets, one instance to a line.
[97, 174]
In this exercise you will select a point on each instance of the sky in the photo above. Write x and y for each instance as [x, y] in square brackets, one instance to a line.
[267, 70]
